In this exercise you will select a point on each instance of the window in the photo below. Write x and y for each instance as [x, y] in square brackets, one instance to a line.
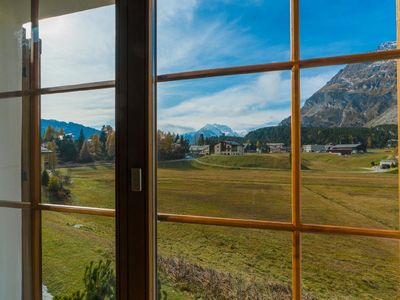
[276, 160]
[297, 196]
[57, 111]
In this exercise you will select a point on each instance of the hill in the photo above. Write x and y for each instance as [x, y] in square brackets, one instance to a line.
[69, 127]
[360, 95]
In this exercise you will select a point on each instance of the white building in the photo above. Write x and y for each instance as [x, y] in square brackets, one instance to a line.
[314, 148]
[228, 148]
[276, 147]
[197, 150]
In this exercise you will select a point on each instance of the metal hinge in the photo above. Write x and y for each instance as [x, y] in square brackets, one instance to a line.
[136, 179]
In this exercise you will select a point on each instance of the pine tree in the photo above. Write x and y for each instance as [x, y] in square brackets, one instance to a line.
[81, 140]
[200, 141]
[84, 155]
[103, 140]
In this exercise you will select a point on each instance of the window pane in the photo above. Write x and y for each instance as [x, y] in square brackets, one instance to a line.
[349, 136]
[70, 244]
[78, 150]
[218, 151]
[337, 27]
[210, 262]
[11, 253]
[195, 35]
[14, 50]
[347, 267]
[77, 47]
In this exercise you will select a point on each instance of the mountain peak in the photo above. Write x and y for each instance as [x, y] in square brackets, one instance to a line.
[390, 45]
[359, 95]
[211, 130]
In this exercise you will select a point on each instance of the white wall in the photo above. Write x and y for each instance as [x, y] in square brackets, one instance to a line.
[11, 18]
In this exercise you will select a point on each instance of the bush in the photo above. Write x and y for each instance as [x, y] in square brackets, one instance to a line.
[57, 192]
[100, 283]
[45, 178]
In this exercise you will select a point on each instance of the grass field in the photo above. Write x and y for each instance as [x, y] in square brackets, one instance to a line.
[335, 190]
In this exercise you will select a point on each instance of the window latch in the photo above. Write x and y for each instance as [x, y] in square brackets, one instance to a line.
[136, 179]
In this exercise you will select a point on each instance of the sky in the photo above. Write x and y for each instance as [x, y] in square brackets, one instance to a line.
[202, 34]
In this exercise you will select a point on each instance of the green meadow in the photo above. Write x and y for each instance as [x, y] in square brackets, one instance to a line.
[196, 260]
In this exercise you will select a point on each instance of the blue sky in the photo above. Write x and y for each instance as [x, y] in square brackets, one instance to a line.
[199, 34]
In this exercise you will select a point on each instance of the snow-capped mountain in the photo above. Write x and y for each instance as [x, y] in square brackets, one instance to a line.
[211, 130]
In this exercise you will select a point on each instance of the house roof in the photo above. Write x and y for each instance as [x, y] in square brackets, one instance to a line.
[340, 146]
[232, 143]
[45, 150]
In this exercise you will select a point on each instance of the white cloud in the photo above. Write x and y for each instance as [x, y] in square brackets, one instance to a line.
[91, 108]
[188, 40]
[264, 100]
[79, 47]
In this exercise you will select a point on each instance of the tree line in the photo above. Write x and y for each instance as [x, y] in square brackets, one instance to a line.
[376, 137]
[171, 146]
[66, 149]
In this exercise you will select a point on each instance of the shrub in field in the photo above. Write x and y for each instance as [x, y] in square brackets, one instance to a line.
[211, 284]
[99, 281]
[57, 192]
[45, 178]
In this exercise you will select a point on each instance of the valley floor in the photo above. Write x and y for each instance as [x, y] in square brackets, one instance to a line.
[230, 262]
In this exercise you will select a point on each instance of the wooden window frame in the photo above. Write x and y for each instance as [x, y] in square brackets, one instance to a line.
[135, 212]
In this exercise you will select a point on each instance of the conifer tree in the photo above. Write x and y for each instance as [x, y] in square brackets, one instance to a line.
[84, 155]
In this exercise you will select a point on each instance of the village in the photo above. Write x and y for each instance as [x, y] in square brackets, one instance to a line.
[233, 148]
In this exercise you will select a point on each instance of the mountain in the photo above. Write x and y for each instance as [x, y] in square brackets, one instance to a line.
[211, 130]
[69, 127]
[360, 95]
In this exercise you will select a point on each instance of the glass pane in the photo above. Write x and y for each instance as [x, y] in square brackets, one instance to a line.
[78, 150]
[78, 43]
[11, 254]
[219, 150]
[14, 50]
[70, 244]
[347, 267]
[194, 35]
[337, 27]
[349, 137]
[210, 262]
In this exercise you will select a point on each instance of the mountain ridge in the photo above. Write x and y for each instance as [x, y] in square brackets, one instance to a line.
[69, 128]
[359, 95]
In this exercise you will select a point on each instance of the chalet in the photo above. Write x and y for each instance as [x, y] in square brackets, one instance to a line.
[314, 148]
[347, 149]
[276, 147]
[228, 148]
[199, 150]
[46, 158]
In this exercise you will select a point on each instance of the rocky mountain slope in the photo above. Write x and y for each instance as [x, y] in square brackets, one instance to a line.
[360, 95]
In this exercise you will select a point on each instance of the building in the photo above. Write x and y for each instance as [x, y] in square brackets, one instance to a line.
[228, 148]
[347, 149]
[387, 163]
[197, 150]
[314, 148]
[276, 147]
[46, 162]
